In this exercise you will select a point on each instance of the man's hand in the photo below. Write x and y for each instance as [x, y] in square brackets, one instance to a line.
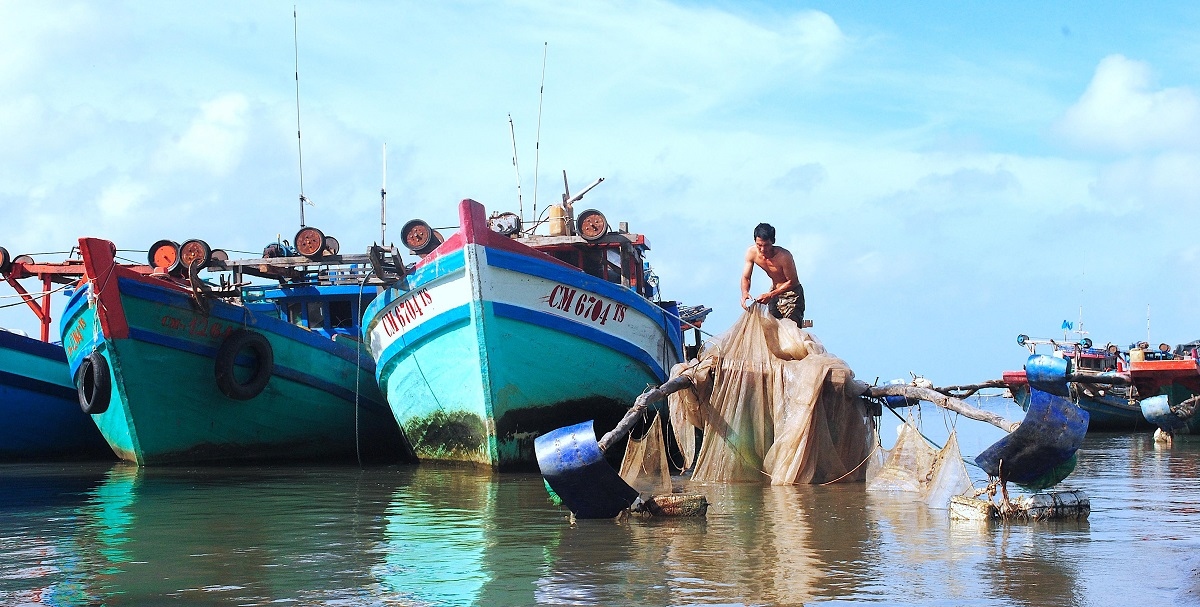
[745, 298]
[765, 298]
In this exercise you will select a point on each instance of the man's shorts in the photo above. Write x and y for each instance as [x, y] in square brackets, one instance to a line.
[789, 304]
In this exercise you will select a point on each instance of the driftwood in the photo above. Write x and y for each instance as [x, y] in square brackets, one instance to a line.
[932, 395]
[625, 426]
[946, 402]
[964, 391]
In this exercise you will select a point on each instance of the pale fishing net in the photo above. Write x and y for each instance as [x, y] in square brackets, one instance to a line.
[773, 405]
[645, 464]
[913, 466]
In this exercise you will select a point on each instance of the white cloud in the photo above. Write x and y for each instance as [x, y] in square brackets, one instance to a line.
[1121, 111]
[121, 199]
[32, 33]
[1168, 179]
[215, 139]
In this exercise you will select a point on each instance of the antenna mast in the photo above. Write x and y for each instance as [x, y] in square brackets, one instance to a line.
[537, 146]
[512, 131]
[383, 202]
[299, 147]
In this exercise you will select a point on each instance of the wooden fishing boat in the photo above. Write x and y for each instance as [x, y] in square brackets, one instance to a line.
[173, 370]
[1170, 387]
[42, 420]
[1111, 406]
[497, 336]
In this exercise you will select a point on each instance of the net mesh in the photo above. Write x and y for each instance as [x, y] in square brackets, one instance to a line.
[913, 466]
[771, 404]
[645, 464]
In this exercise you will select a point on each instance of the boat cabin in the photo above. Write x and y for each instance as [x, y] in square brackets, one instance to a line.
[326, 297]
[328, 310]
[617, 257]
[1086, 359]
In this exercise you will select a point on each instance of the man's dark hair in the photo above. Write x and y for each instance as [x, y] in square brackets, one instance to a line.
[765, 232]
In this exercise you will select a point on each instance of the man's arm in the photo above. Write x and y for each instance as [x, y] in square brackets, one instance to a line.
[746, 272]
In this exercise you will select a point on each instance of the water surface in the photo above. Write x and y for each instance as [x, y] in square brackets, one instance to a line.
[423, 535]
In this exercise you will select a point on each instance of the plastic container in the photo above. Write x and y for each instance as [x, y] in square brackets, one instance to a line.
[558, 220]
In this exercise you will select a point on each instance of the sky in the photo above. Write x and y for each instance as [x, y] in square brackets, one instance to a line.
[947, 175]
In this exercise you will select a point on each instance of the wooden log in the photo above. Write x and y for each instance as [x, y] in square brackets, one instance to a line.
[674, 504]
[969, 389]
[625, 426]
[945, 402]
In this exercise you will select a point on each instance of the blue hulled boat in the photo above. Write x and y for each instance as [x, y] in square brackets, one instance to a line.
[38, 401]
[496, 336]
[1095, 379]
[173, 370]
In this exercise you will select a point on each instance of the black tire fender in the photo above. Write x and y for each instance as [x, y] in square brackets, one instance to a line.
[93, 384]
[239, 341]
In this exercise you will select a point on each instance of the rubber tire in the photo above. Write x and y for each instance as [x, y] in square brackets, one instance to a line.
[94, 384]
[227, 354]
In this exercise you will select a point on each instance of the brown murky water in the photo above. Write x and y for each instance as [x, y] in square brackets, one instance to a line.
[116, 535]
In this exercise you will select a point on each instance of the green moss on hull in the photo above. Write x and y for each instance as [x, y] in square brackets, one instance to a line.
[453, 435]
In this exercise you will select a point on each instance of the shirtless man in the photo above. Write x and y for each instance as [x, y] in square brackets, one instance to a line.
[786, 297]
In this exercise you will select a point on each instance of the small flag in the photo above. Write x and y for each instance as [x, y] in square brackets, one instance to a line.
[1067, 326]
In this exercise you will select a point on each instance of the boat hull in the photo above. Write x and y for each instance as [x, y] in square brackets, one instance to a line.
[1178, 381]
[39, 407]
[320, 403]
[1105, 414]
[490, 344]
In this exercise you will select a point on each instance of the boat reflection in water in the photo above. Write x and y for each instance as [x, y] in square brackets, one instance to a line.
[427, 535]
[230, 535]
[460, 536]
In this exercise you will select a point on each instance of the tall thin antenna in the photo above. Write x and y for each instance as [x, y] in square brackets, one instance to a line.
[537, 146]
[1147, 323]
[516, 167]
[512, 131]
[299, 147]
[383, 202]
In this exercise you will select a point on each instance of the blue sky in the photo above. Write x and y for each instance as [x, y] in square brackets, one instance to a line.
[947, 175]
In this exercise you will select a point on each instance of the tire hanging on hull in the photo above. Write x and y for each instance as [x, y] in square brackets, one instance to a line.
[93, 384]
[227, 354]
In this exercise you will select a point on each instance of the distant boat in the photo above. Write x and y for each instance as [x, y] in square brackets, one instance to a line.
[1169, 382]
[497, 336]
[41, 416]
[172, 371]
[1112, 407]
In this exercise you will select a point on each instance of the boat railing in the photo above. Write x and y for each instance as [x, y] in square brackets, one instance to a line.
[302, 271]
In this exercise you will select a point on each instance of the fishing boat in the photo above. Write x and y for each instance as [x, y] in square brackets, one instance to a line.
[1169, 382]
[174, 369]
[1099, 383]
[498, 335]
[42, 419]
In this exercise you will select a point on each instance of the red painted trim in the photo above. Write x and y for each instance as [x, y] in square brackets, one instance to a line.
[473, 229]
[1150, 376]
[101, 270]
[1014, 378]
[32, 303]
[45, 315]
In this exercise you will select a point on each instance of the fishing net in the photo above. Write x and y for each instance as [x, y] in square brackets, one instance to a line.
[771, 404]
[645, 464]
[912, 466]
